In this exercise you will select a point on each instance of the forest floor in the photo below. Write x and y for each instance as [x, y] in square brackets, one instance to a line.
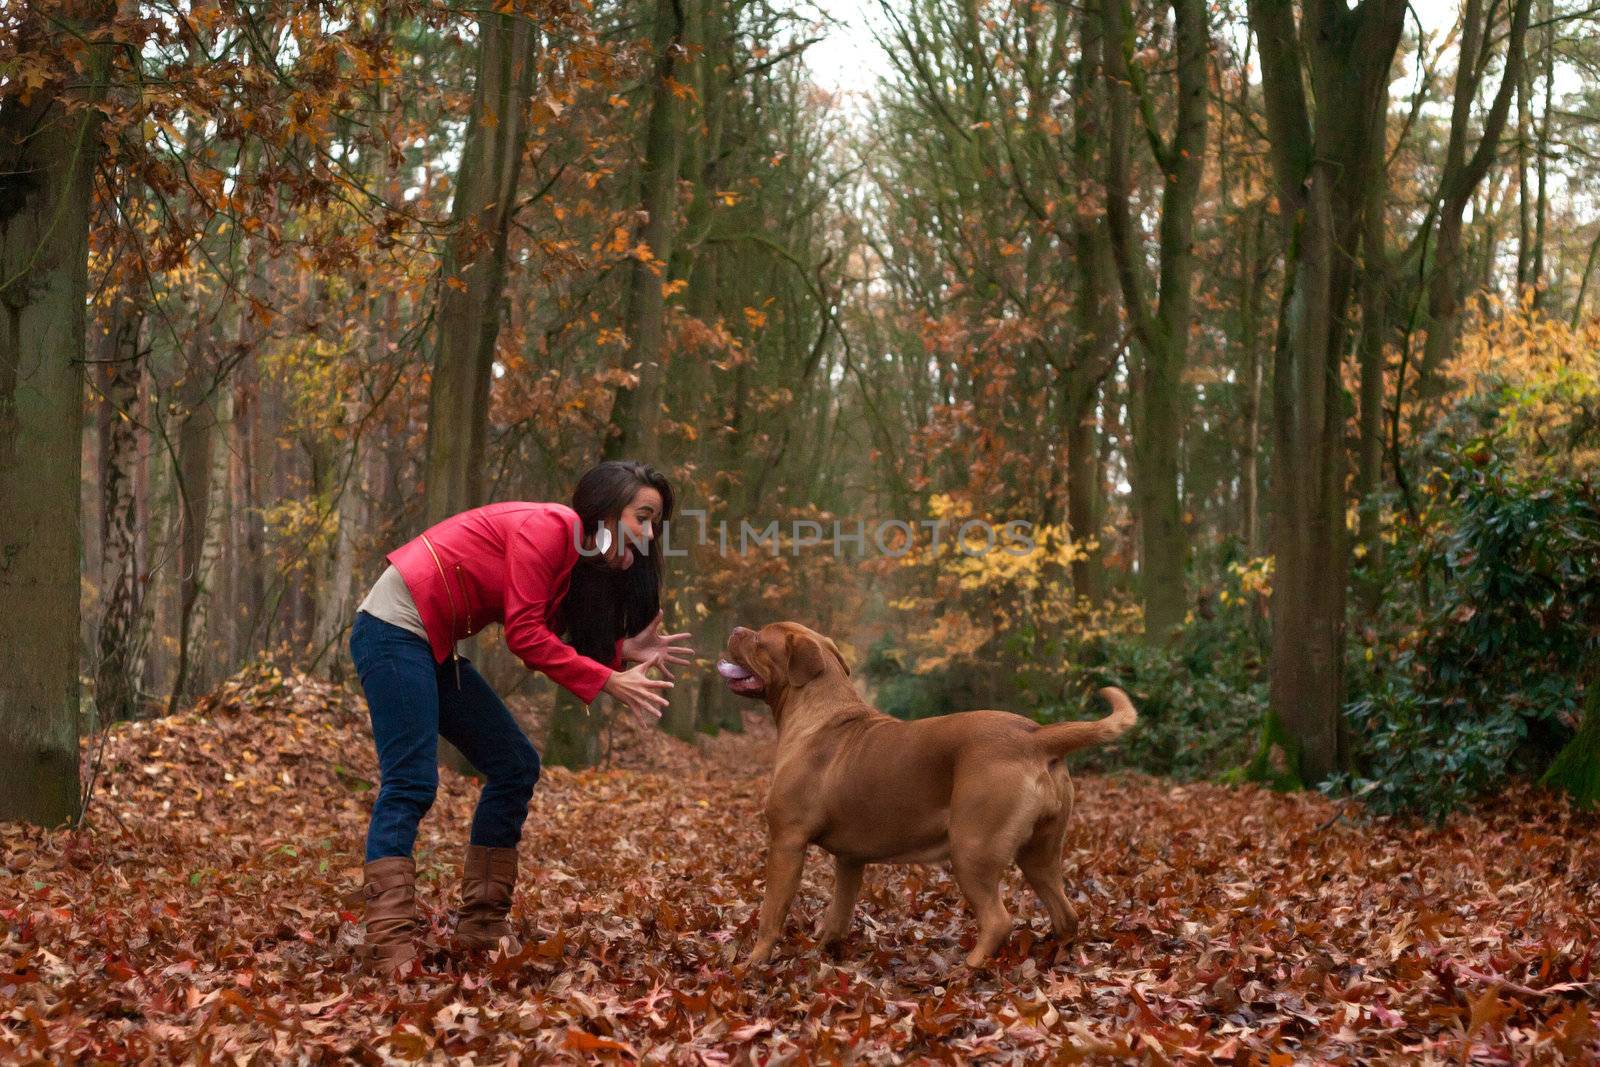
[207, 912]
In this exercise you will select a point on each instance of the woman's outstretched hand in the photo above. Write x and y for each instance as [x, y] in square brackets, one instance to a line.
[653, 645]
[639, 693]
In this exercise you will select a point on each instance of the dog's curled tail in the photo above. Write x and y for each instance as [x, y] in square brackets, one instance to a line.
[1060, 738]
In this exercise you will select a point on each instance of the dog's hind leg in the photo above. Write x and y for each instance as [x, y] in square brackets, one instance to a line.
[990, 820]
[1040, 860]
[978, 870]
[846, 889]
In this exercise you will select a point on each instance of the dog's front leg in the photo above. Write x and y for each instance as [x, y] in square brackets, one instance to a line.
[784, 861]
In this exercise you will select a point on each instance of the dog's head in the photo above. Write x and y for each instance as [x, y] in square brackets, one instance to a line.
[776, 660]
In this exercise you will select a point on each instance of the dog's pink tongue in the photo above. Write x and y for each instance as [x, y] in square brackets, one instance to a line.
[731, 671]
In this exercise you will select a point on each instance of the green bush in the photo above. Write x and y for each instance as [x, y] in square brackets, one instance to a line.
[1201, 697]
[1471, 674]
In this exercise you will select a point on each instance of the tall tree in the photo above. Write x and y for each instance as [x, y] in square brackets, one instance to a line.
[1322, 150]
[117, 661]
[1463, 172]
[1425, 283]
[636, 414]
[473, 272]
[48, 150]
[1162, 331]
[573, 738]
[196, 446]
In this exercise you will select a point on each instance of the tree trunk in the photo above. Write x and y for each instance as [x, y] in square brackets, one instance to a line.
[1576, 318]
[1164, 333]
[245, 541]
[1256, 262]
[1524, 200]
[636, 412]
[213, 580]
[195, 464]
[158, 524]
[275, 480]
[472, 278]
[47, 161]
[1083, 489]
[718, 709]
[116, 684]
[253, 454]
[1576, 768]
[1095, 319]
[91, 506]
[336, 593]
[1308, 531]
[573, 737]
[1542, 208]
[1322, 162]
[1113, 434]
[1377, 314]
[1461, 176]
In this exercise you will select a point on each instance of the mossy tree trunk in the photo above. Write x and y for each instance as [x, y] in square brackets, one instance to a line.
[573, 736]
[472, 278]
[1577, 767]
[1162, 330]
[48, 149]
[636, 412]
[1322, 142]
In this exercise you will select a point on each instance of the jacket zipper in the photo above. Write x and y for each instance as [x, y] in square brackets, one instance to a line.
[455, 654]
[466, 601]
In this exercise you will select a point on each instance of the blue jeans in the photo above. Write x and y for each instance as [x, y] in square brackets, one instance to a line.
[414, 701]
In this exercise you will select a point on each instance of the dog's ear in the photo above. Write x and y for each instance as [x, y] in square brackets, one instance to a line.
[807, 659]
[837, 655]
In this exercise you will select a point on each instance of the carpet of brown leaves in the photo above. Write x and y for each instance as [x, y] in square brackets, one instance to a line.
[206, 913]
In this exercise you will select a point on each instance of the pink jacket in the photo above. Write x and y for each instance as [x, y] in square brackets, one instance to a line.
[508, 563]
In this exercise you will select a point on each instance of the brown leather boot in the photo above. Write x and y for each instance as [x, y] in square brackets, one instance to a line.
[487, 879]
[389, 892]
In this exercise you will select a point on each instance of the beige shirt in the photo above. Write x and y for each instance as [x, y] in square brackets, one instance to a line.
[390, 600]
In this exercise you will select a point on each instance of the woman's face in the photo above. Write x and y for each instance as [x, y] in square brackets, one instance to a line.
[639, 523]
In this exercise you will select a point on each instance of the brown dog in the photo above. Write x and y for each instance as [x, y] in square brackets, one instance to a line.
[982, 789]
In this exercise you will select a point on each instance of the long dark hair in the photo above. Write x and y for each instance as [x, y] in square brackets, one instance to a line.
[603, 604]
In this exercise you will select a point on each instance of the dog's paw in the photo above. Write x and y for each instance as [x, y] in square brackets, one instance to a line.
[756, 961]
[831, 950]
[829, 940]
[977, 962]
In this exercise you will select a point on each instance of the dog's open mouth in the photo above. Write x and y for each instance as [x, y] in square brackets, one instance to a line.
[740, 679]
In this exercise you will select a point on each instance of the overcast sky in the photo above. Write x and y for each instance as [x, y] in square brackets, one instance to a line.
[848, 60]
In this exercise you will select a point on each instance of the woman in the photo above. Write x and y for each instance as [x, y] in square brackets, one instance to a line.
[540, 569]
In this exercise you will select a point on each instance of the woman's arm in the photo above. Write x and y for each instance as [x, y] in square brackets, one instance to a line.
[533, 570]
